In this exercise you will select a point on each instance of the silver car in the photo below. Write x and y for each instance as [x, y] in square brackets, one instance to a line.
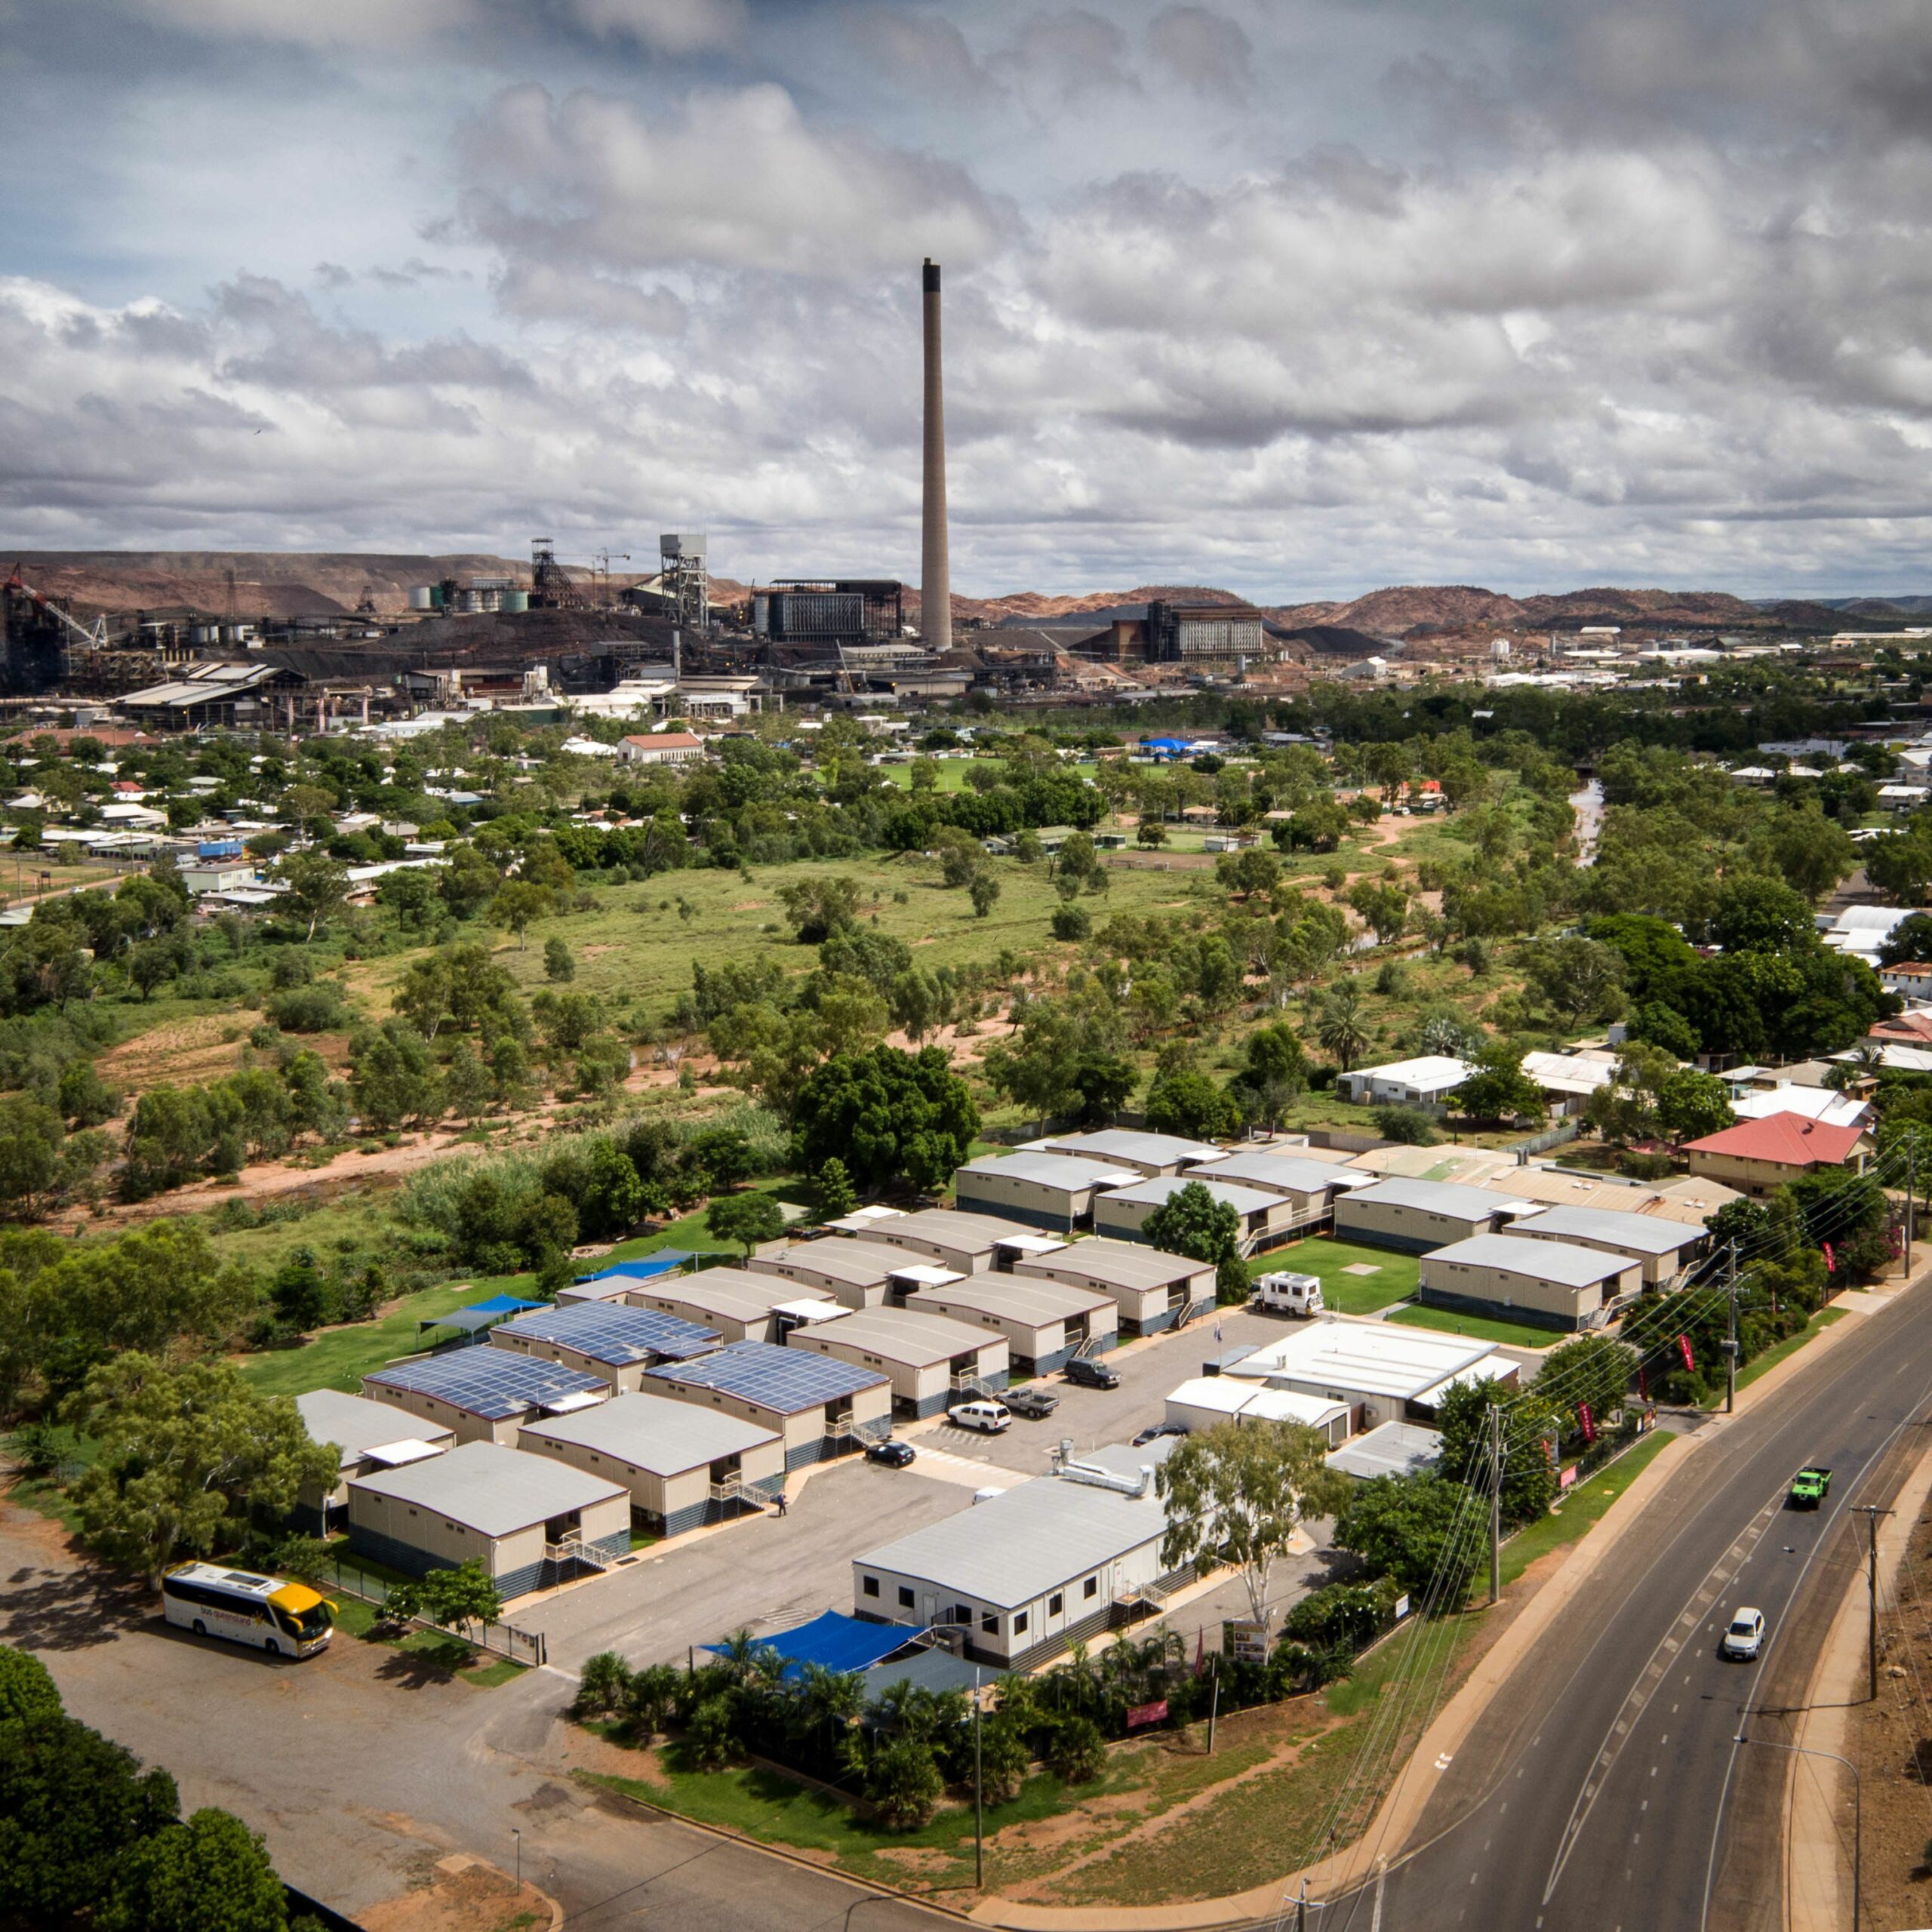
[1744, 1636]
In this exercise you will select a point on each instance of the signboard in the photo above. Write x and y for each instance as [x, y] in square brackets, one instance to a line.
[1586, 1422]
[1245, 1642]
[1683, 1350]
[1567, 1478]
[1138, 1715]
[1401, 1608]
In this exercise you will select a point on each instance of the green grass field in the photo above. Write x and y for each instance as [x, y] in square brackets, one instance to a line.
[1485, 1328]
[1393, 1280]
[339, 1358]
[1580, 1509]
[1789, 1346]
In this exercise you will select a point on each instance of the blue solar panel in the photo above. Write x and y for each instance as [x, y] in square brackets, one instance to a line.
[786, 1380]
[491, 1383]
[610, 1332]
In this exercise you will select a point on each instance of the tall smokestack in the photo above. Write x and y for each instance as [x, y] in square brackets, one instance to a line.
[935, 567]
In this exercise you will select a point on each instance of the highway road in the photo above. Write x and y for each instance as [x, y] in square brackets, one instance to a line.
[1602, 1788]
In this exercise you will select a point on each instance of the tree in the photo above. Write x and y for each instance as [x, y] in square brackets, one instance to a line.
[1241, 1491]
[903, 1784]
[746, 1219]
[832, 1186]
[210, 1875]
[318, 885]
[518, 902]
[27, 1688]
[1756, 914]
[1275, 1071]
[559, 964]
[1909, 943]
[983, 890]
[888, 1115]
[1414, 1528]
[1341, 1027]
[1384, 909]
[916, 1001]
[1691, 1105]
[392, 1077]
[819, 907]
[1192, 1222]
[1591, 1371]
[1499, 1089]
[459, 1597]
[1580, 978]
[187, 1458]
[1191, 1106]
[1529, 1423]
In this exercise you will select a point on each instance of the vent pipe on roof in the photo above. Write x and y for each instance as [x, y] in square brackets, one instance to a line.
[1093, 1475]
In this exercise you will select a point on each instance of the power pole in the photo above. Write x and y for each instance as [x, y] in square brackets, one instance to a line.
[1214, 1708]
[1871, 1512]
[1731, 1342]
[979, 1797]
[1911, 1183]
[1301, 1908]
[1495, 1504]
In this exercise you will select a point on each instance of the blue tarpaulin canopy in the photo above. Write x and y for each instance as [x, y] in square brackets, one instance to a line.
[839, 1643]
[479, 1315]
[666, 1261]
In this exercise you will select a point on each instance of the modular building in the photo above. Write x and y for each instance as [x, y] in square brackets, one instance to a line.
[741, 1306]
[821, 1407]
[608, 1339]
[1029, 1571]
[1551, 1284]
[1310, 1187]
[1382, 1372]
[856, 1274]
[683, 1466]
[369, 1436]
[1266, 1219]
[528, 1521]
[1663, 1249]
[1150, 1290]
[1416, 1216]
[1052, 1190]
[1394, 1449]
[964, 1243]
[1425, 1083]
[1046, 1324]
[1151, 1156]
[929, 1359]
[1207, 1400]
[483, 1395]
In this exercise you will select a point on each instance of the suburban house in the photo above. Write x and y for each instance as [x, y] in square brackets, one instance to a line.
[1758, 1156]
[660, 748]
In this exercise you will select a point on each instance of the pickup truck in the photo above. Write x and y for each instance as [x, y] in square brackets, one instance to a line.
[1808, 1488]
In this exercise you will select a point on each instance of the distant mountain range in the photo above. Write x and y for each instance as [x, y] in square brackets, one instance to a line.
[285, 583]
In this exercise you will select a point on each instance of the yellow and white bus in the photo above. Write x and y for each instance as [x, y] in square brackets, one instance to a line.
[289, 1619]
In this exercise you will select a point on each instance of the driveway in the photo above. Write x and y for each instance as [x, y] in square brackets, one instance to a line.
[363, 1767]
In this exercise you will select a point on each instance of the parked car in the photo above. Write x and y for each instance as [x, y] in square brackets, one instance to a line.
[1035, 1404]
[1090, 1374]
[1745, 1637]
[894, 1455]
[1155, 1431]
[989, 1418]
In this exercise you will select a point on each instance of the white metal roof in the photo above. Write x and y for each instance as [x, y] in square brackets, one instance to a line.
[1018, 1298]
[1242, 1200]
[945, 1227]
[1433, 1197]
[1120, 1143]
[494, 1490]
[356, 1424]
[1429, 1073]
[1065, 1173]
[1367, 1357]
[910, 1335]
[1645, 1233]
[1116, 1264]
[655, 1432]
[1394, 1449]
[1282, 1174]
[1557, 1261]
[862, 1263]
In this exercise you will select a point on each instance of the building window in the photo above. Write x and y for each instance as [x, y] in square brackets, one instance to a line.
[989, 1622]
[869, 1586]
[905, 1596]
[1091, 1588]
[1020, 1622]
[1055, 1604]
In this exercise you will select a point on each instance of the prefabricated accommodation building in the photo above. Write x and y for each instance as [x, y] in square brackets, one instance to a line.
[1311, 1186]
[928, 1359]
[1152, 1156]
[480, 1394]
[1051, 1191]
[1383, 1373]
[1662, 1249]
[1266, 1219]
[741, 1306]
[856, 1273]
[1416, 1216]
[1046, 1324]
[528, 1521]
[370, 1436]
[964, 1243]
[1151, 1290]
[1550, 1284]
[608, 1340]
[821, 1407]
[683, 1466]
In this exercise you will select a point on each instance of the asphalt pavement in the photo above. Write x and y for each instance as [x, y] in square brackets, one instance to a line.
[1603, 1787]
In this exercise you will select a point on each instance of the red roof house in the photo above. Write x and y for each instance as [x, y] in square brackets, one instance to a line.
[1757, 1155]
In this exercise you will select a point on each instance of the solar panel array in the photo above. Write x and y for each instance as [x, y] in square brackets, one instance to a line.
[486, 1382]
[786, 1380]
[610, 1332]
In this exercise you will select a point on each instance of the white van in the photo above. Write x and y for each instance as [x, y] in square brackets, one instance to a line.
[1285, 1294]
[989, 1418]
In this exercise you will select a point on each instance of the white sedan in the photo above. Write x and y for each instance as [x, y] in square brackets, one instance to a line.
[1745, 1637]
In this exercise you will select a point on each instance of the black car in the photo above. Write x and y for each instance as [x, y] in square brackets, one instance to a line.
[1155, 1430]
[1034, 1404]
[1090, 1374]
[894, 1455]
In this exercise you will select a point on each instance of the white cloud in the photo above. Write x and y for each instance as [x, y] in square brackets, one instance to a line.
[668, 26]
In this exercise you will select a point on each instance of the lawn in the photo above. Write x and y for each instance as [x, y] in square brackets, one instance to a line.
[339, 1358]
[1580, 1509]
[1789, 1346]
[1485, 1328]
[1394, 1280]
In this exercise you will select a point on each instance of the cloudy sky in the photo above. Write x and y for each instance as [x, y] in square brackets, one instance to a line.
[1297, 296]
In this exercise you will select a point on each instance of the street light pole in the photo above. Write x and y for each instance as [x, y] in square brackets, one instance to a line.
[1731, 1342]
[1857, 1808]
[979, 1796]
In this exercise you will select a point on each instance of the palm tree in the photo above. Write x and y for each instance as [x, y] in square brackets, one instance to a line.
[1341, 1027]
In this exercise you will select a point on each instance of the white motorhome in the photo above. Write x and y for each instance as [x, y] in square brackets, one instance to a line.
[1285, 1293]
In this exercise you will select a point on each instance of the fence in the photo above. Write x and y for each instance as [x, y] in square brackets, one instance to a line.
[502, 1640]
[1564, 1130]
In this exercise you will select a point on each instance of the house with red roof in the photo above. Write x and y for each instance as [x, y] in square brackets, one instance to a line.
[1758, 1156]
[660, 748]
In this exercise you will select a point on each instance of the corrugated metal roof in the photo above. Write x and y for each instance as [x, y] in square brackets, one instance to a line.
[1242, 1200]
[1644, 1232]
[736, 1292]
[1119, 1264]
[786, 1380]
[613, 1333]
[1555, 1261]
[899, 1334]
[486, 1382]
[1369, 1357]
[947, 1227]
[863, 1263]
[655, 1432]
[1394, 1449]
[491, 1489]
[1066, 1173]
[355, 1425]
[1284, 1172]
[1018, 1298]
[1433, 1197]
[1033, 1538]
[1123, 1144]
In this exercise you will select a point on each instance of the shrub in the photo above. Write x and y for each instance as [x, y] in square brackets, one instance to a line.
[316, 1008]
[1076, 1751]
[904, 1786]
[1409, 1125]
[1071, 922]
